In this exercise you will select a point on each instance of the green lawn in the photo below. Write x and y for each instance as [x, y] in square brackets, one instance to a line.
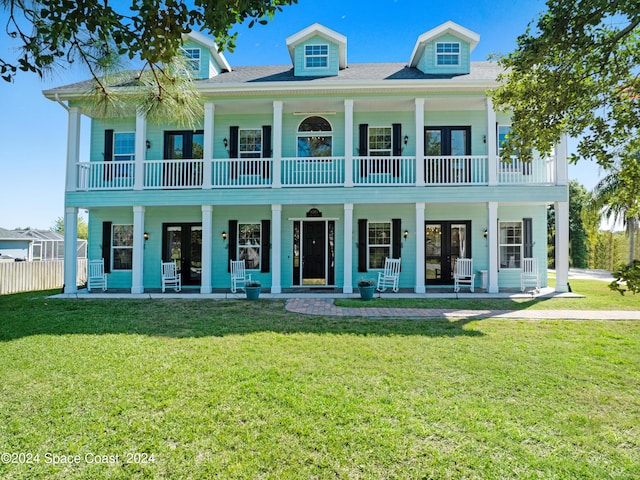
[596, 296]
[232, 389]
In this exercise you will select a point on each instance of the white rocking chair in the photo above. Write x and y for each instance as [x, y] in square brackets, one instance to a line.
[170, 276]
[529, 276]
[239, 276]
[96, 278]
[463, 275]
[390, 276]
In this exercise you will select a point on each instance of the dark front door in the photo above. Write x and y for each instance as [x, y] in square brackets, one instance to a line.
[445, 241]
[182, 242]
[314, 253]
[447, 141]
[183, 145]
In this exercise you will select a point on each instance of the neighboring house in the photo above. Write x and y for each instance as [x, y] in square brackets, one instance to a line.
[14, 245]
[314, 172]
[36, 245]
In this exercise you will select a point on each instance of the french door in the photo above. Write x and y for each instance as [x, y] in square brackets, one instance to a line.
[447, 142]
[183, 145]
[182, 242]
[445, 242]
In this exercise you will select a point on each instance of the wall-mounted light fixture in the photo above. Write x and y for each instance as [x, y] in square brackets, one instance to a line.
[406, 139]
[485, 233]
[224, 236]
[148, 144]
[484, 139]
[225, 142]
[146, 236]
[405, 234]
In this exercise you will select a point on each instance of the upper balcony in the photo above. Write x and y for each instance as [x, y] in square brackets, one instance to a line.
[432, 171]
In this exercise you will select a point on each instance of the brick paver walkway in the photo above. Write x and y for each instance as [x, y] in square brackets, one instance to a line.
[325, 306]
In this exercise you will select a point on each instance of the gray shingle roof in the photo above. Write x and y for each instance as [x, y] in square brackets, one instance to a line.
[354, 72]
[480, 71]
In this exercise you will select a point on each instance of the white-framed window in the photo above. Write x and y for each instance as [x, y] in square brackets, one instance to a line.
[192, 57]
[121, 247]
[316, 56]
[504, 131]
[510, 244]
[447, 53]
[124, 146]
[314, 138]
[380, 141]
[250, 143]
[249, 238]
[378, 243]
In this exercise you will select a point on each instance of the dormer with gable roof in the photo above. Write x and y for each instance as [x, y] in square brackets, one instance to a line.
[444, 50]
[317, 51]
[202, 56]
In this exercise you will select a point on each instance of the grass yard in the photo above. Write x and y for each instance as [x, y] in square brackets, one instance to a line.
[231, 389]
[597, 296]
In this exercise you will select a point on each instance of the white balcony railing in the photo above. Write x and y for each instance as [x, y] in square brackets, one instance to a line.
[312, 172]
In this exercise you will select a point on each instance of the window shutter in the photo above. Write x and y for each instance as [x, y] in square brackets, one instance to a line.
[266, 150]
[527, 237]
[106, 246]
[396, 145]
[265, 246]
[108, 153]
[396, 237]
[233, 150]
[362, 245]
[364, 148]
[233, 242]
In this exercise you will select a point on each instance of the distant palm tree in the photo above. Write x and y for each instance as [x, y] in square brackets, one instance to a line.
[617, 197]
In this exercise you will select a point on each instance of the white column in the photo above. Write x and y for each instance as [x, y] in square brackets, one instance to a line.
[492, 143]
[137, 276]
[73, 149]
[207, 150]
[420, 143]
[492, 245]
[562, 246]
[347, 247]
[276, 248]
[562, 173]
[70, 249]
[207, 240]
[420, 233]
[141, 150]
[277, 144]
[348, 143]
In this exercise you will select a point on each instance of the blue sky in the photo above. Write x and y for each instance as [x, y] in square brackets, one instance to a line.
[33, 129]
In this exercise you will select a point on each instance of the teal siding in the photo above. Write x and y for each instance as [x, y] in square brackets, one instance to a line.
[300, 70]
[427, 63]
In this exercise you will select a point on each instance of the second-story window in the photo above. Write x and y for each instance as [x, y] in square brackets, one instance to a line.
[447, 53]
[314, 138]
[124, 146]
[316, 56]
[250, 143]
[380, 141]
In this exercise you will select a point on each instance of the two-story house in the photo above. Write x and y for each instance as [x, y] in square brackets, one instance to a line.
[316, 171]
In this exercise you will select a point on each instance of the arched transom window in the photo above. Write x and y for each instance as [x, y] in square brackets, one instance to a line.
[314, 138]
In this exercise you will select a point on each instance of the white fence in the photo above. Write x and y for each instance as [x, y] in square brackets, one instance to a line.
[27, 276]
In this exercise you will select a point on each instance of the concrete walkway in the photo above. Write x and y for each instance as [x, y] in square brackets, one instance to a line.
[325, 306]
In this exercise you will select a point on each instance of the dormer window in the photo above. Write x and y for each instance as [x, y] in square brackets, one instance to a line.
[192, 58]
[447, 53]
[316, 56]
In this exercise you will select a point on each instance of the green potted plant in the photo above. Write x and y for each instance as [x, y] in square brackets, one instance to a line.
[367, 288]
[252, 289]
